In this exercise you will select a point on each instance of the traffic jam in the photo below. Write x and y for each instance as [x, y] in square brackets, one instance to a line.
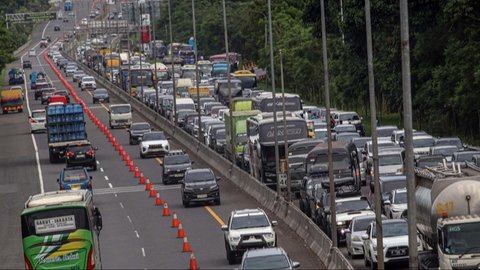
[274, 137]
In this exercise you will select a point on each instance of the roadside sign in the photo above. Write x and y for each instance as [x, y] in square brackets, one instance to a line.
[282, 179]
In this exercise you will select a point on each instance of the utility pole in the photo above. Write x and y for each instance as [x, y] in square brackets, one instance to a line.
[275, 128]
[333, 216]
[230, 106]
[196, 68]
[285, 137]
[173, 64]
[373, 118]
[109, 36]
[407, 123]
[140, 46]
[152, 16]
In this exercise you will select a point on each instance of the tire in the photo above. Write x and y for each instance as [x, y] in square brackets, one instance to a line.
[94, 167]
[20, 110]
[185, 203]
[142, 155]
[367, 262]
[230, 256]
[163, 180]
[130, 141]
[217, 201]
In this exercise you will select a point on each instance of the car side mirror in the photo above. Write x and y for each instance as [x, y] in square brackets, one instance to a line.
[218, 178]
[224, 228]
[274, 223]
[295, 264]
[365, 237]
[98, 219]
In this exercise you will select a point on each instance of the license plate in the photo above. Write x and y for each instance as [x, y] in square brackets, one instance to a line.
[203, 196]
[178, 175]
[80, 156]
[73, 187]
[100, 99]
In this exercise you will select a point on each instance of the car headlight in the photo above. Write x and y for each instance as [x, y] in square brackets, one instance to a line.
[340, 222]
[234, 239]
[167, 169]
[399, 171]
[269, 236]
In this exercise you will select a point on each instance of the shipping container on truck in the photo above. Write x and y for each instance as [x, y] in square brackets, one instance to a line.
[65, 125]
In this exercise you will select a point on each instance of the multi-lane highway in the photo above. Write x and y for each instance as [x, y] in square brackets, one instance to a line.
[135, 234]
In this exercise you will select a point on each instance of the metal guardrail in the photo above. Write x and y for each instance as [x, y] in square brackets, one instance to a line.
[303, 226]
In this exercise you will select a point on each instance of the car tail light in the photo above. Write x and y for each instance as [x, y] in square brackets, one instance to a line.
[28, 265]
[69, 154]
[91, 260]
[91, 152]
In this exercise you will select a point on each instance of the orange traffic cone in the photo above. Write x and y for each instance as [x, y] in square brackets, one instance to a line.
[142, 179]
[132, 168]
[158, 200]
[166, 211]
[180, 232]
[127, 160]
[120, 150]
[152, 192]
[193, 262]
[137, 172]
[175, 221]
[148, 186]
[186, 245]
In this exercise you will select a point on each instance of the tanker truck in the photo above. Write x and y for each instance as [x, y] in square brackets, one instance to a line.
[448, 221]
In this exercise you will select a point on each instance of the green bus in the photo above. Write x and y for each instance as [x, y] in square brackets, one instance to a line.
[60, 230]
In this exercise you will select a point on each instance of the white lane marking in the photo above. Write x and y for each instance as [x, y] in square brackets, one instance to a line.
[143, 252]
[98, 162]
[101, 169]
[46, 26]
[106, 178]
[136, 233]
[121, 205]
[129, 219]
[110, 185]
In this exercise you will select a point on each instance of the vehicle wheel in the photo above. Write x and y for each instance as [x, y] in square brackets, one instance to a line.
[365, 258]
[185, 203]
[217, 201]
[142, 155]
[230, 256]
[94, 167]
[130, 141]
[5, 112]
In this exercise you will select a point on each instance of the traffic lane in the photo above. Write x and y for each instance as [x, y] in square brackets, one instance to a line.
[287, 238]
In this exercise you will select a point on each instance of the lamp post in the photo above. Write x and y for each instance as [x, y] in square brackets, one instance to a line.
[174, 107]
[196, 68]
[232, 149]
[285, 135]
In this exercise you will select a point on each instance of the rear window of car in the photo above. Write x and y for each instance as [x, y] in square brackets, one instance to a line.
[79, 148]
[74, 175]
[38, 114]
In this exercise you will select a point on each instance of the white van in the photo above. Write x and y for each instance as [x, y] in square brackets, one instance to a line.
[120, 115]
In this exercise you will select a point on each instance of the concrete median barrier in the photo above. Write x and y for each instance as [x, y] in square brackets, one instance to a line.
[304, 227]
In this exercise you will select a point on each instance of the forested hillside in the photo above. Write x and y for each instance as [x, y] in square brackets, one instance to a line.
[16, 35]
[445, 55]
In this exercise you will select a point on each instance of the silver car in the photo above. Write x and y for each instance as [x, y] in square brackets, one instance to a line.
[267, 258]
[353, 234]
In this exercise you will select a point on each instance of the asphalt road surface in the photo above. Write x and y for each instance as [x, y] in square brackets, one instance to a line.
[135, 234]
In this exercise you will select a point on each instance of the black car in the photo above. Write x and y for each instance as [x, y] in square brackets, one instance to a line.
[56, 28]
[137, 130]
[27, 64]
[81, 155]
[100, 95]
[175, 164]
[200, 185]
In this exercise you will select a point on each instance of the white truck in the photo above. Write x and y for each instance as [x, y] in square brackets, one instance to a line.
[448, 218]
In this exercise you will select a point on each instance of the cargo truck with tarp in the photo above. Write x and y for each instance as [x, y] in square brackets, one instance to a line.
[236, 134]
[65, 125]
[11, 100]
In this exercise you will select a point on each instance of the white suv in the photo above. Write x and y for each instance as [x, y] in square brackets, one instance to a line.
[154, 144]
[248, 228]
[88, 82]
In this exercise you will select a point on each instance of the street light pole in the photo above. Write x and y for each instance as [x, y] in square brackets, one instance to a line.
[174, 107]
[407, 123]
[333, 219]
[373, 118]
[196, 67]
[285, 137]
[152, 16]
[275, 129]
[230, 106]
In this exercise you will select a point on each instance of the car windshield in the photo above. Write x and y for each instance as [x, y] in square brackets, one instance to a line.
[199, 176]
[389, 186]
[38, 114]
[100, 92]
[74, 175]
[423, 142]
[400, 197]
[392, 229]
[153, 136]
[252, 221]
[390, 159]
[220, 135]
[140, 126]
[385, 132]
[279, 261]
[351, 206]
[88, 79]
[120, 109]
[176, 159]
[361, 224]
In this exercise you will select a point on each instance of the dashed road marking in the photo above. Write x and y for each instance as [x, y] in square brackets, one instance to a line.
[121, 205]
[143, 252]
[101, 169]
[106, 178]
[110, 185]
[136, 233]
[129, 219]
[98, 162]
